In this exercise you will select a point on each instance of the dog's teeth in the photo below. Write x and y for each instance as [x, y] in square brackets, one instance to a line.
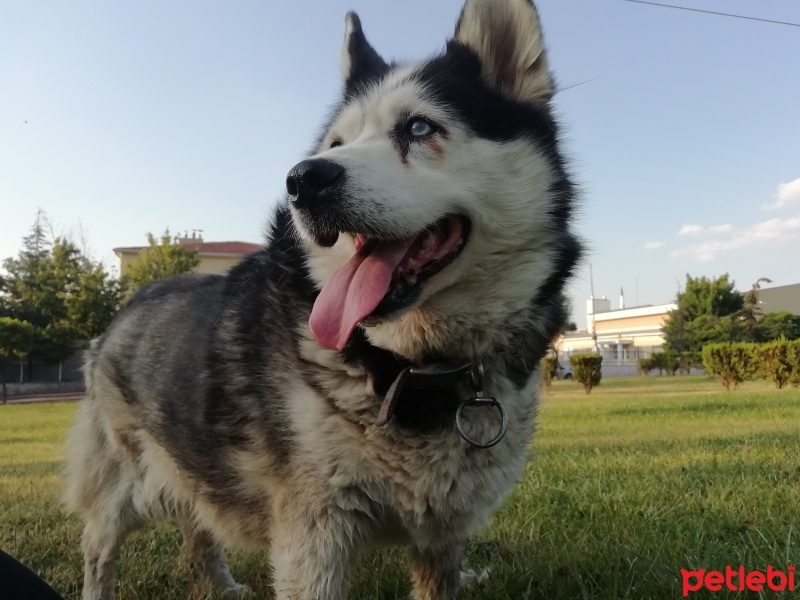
[430, 241]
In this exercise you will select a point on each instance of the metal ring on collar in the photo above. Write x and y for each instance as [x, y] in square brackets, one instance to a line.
[482, 402]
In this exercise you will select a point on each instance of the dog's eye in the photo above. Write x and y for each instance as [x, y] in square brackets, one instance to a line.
[336, 143]
[419, 127]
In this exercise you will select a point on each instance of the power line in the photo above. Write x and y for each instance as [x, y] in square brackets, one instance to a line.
[574, 85]
[711, 12]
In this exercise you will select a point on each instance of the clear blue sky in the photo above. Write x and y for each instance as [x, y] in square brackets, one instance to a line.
[189, 114]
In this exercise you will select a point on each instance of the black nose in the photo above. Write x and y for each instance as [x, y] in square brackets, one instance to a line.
[308, 181]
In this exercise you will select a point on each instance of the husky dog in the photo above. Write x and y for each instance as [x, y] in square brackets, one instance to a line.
[371, 375]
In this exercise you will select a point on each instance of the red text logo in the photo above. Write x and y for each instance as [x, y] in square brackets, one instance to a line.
[737, 580]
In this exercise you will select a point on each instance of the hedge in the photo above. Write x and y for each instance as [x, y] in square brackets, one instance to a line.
[665, 361]
[779, 362]
[669, 361]
[732, 363]
[644, 366]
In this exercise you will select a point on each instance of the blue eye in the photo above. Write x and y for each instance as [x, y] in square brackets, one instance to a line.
[419, 127]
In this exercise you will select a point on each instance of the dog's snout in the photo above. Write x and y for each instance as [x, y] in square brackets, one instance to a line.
[308, 180]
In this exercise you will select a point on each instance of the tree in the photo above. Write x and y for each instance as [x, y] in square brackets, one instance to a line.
[587, 370]
[162, 258]
[707, 329]
[704, 296]
[750, 314]
[678, 335]
[64, 295]
[21, 273]
[707, 311]
[781, 324]
[91, 296]
[16, 340]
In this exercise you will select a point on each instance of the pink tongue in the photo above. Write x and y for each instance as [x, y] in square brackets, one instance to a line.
[354, 291]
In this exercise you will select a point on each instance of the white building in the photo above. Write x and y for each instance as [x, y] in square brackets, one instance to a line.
[620, 335]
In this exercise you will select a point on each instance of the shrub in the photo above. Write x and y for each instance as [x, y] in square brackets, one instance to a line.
[657, 359]
[586, 370]
[793, 358]
[688, 361]
[731, 363]
[774, 362]
[671, 362]
[549, 367]
[644, 366]
[665, 361]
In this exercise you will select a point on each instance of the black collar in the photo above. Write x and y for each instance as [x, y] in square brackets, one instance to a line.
[437, 376]
[422, 397]
[429, 377]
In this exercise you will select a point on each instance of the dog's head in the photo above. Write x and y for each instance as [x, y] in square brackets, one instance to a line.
[436, 205]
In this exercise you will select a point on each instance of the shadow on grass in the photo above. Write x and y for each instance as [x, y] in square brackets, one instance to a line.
[31, 469]
[522, 571]
[9, 441]
[153, 568]
[655, 449]
[680, 408]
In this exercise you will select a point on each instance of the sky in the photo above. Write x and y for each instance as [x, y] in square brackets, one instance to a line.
[683, 129]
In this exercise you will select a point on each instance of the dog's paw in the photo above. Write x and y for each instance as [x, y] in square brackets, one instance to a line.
[472, 577]
[236, 592]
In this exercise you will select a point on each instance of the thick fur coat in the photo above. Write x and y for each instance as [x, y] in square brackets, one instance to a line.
[211, 400]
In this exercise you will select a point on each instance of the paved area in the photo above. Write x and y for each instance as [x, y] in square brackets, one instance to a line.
[33, 398]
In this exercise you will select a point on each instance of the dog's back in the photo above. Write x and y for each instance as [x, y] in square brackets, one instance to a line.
[149, 363]
[146, 379]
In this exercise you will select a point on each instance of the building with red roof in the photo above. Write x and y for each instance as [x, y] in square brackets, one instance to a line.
[215, 257]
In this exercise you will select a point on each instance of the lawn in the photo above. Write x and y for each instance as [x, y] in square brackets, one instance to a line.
[625, 488]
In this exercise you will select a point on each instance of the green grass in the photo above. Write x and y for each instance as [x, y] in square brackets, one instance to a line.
[625, 487]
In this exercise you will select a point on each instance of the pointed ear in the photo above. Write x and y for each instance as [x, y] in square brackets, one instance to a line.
[507, 37]
[360, 62]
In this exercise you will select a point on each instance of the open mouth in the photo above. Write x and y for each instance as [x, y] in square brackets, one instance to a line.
[382, 277]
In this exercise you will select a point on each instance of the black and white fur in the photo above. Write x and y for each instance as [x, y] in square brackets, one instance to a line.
[209, 401]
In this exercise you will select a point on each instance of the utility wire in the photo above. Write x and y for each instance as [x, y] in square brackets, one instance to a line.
[711, 12]
[574, 85]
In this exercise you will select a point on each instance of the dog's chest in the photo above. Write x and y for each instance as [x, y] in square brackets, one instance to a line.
[436, 479]
[416, 468]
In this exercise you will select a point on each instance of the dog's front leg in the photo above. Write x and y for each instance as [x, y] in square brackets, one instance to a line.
[312, 550]
[436, 573]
